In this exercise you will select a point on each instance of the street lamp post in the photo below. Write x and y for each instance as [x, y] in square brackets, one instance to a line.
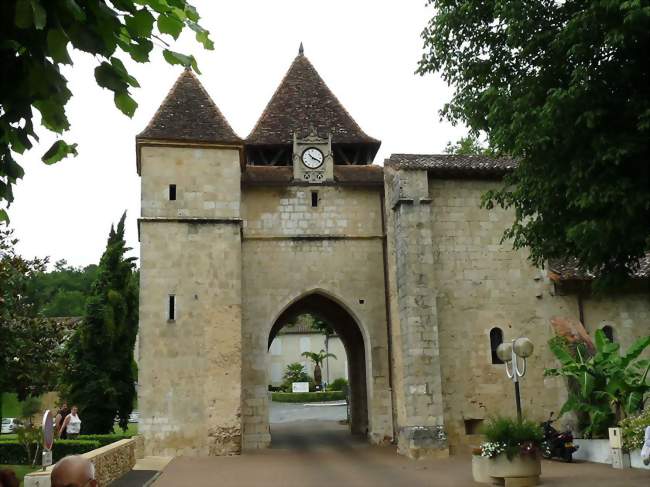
[510, 353]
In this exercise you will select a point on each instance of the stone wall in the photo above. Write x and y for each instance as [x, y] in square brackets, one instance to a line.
[190, 367]
[207, 182]
[482, 284]
[111, 462]
[291, 250]
[422, 431]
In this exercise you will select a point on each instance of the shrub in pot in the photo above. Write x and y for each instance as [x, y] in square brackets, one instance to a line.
[513, 447]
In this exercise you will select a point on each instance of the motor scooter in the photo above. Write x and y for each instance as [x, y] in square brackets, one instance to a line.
[557, 444]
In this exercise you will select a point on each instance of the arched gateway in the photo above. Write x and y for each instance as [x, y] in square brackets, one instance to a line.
[238, 236]
[348, 329]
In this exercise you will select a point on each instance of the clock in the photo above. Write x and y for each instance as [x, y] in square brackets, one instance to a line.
[312, 158]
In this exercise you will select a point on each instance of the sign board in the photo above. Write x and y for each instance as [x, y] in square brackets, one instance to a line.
[48, 430]
[300, 387]
[47, 458]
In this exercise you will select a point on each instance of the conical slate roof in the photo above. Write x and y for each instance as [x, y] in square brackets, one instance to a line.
[301, 102]
[188, 114]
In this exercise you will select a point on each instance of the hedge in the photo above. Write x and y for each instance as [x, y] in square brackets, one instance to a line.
[13, 453]
[104, 440]
[307, 396]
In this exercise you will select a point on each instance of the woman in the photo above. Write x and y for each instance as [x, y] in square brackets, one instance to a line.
[71, 424]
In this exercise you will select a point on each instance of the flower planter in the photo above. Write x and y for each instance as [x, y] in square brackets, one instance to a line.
[481, 469]
[526, 469]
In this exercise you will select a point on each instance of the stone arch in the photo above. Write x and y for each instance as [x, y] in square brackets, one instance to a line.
[351, 332]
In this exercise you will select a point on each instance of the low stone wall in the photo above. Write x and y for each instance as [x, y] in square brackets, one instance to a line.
[111, 462]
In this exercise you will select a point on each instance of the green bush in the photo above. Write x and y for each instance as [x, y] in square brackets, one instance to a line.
[295, 373]
[307, 396]
[512, 437]
[633, 430]
[13, 453]
[339, 384]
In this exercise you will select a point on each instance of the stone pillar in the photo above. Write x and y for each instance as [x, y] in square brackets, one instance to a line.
[422, 434]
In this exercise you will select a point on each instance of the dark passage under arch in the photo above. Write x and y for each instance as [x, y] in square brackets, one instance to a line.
[347, 329]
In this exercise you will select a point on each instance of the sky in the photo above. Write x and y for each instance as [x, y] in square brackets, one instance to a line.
[365, 50]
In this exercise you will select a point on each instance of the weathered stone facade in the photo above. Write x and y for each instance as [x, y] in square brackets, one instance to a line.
[400, 260]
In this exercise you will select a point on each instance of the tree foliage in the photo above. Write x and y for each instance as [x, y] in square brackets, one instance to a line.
[63, 290]
[32, 346]
[294, 372]
[469, 145]
[611, 386]
[317, 359]
[35, 38]
[564, 87]
[99, 376]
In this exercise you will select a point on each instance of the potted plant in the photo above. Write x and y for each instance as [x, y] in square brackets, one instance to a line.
[480, 466]
[514, 449]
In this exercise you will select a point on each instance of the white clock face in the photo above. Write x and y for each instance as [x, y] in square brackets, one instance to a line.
[312, 158]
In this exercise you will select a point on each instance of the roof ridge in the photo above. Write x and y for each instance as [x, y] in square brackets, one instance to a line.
[339, 101]
[214, 105]
[287, 107]
[275, 92]
[188, 112]
[162, 104]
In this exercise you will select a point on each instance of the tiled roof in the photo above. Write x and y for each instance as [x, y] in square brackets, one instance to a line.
[302, 101]
[370, 175]
[568, 270]
[450, 165]
[188, 114]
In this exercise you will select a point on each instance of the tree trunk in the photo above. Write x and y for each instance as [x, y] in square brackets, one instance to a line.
[318, 376]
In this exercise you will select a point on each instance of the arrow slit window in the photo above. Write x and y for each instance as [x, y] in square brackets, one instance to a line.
[171, 308]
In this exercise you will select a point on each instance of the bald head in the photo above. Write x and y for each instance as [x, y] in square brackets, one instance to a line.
[73, 471]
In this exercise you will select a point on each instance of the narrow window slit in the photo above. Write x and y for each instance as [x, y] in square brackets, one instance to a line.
[172, 192]
[171, 315]
[314, 199]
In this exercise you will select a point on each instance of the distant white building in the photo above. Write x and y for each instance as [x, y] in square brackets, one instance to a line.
[291, 342]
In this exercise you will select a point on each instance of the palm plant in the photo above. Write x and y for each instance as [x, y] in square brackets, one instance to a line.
[610, 386]
[318, 358]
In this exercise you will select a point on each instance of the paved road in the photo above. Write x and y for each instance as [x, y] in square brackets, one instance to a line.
[322, 453]
[286, 412]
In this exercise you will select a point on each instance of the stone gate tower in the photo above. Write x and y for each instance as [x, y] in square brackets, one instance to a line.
[189, 160]
[239, 237]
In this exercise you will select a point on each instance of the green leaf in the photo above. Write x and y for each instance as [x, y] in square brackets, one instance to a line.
[170, 24]
[561, 352]
[191, 13]
[119, 66]
[173, 57]
[159, 6]
[125, 103]
[140, 24]
[4, 217]
[23, 16]
[77, 12]
[40, 15]
[635, 350]
[58, 151]
[108, 76]
[57, 43]
[202, 35]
